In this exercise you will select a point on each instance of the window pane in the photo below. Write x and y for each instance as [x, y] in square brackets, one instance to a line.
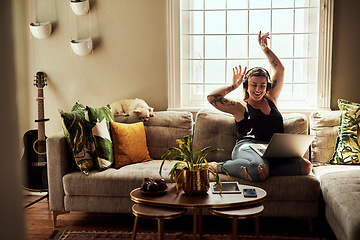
[259, 20]
[288, 64]
[192, 71]
[214, 71]
[282, 3]
[192, 4]
[259, 4]
[259, 63]
[215, 47]
[192, 22]
[282, 45]
[283, 21]
[215, 22]
[215, 4]
[236, 4]
[286, 93]
[192, 47]
[254, 48]
[237, 22]
[237, 46]
[303, 18]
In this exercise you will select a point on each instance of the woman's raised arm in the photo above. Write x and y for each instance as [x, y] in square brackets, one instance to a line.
[217, 97]
[278, 77]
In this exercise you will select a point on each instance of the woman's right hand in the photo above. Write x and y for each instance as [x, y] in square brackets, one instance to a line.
[238, 76]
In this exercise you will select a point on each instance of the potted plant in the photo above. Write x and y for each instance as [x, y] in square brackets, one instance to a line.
[193, 168]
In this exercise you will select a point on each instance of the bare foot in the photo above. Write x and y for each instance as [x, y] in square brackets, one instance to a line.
[306, 166]
[264, 171]
[245, 174]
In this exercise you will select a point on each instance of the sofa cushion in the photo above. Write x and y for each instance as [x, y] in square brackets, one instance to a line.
[76, 132]
[340, 187]
[347, 147]
[324, 125]
[101, 144]
[129, 141]
[284, 188]
[114, 182]
[217, 129]
[163, 129]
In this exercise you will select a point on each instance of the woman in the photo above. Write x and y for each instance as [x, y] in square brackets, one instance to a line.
[257, 119]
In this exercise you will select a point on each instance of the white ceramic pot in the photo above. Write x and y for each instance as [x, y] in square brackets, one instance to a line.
[82, 47]
[40, 30]
[80, 8]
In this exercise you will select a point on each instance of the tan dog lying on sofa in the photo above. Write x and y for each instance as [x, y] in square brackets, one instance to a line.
[132, 107]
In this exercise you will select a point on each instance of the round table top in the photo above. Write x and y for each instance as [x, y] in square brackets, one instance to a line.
[174, 199]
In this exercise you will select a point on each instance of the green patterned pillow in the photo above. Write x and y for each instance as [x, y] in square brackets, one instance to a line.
[347, 147]
[101, 144]
[77, 135]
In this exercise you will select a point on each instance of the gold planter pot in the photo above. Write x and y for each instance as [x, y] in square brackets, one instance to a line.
[196, 182]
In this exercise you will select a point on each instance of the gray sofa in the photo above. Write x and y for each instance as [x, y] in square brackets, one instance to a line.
[108, 191]
[340, 185]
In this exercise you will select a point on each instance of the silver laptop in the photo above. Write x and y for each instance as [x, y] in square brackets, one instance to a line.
[283, 145]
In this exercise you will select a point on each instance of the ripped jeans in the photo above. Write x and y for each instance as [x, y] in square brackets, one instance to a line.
[243, 158]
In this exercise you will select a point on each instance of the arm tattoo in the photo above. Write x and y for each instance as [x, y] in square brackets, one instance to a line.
[218, 99]
[274, 63]
[274, 83]
[229, 89]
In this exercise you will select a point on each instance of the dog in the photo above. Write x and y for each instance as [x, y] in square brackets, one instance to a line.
[132, 107]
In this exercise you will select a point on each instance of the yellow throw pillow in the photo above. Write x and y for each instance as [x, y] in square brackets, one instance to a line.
[129, 141]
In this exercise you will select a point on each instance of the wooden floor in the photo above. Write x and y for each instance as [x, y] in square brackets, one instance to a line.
[39, 224]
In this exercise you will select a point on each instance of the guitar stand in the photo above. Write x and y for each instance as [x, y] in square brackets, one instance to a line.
[37, 200]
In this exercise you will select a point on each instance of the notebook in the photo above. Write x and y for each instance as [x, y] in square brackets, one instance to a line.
[283, 145]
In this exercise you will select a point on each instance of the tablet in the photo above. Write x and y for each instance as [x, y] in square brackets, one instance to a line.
[227, 187]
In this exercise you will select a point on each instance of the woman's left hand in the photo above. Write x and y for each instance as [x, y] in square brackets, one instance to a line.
[263, 40]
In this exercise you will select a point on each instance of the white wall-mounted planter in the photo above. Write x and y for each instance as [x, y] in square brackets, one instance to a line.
[40, 30]
[81, 7]
[82, 47]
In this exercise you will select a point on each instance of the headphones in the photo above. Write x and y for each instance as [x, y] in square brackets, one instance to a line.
[264, 72]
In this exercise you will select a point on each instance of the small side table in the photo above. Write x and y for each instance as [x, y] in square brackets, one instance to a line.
[151, 212]
[253, 211]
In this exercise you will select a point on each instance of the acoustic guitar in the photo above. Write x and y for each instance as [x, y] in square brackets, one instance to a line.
[34, 157]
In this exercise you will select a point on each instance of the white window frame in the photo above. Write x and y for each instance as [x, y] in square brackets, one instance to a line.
[324, 57]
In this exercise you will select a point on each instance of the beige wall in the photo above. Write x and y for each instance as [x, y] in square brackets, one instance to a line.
[129, 59]
[346, 52]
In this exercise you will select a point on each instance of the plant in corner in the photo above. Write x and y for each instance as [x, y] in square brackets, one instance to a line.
[191, 165]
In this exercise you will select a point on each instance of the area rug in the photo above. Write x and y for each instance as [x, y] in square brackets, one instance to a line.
[67, 234]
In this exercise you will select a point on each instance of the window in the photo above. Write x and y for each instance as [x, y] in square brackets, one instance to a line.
[209, 37]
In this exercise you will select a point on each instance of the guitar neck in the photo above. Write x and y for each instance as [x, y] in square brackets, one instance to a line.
[41, 123]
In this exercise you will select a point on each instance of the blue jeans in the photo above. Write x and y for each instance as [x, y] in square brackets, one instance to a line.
[244, 157]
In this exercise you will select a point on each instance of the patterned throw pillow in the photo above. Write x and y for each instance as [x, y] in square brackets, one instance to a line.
[77, 135]
[347, 147]
[129, 142]
[101, 144]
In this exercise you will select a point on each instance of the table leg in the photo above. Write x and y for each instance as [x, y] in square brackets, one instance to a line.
[234, 228]
[135, 228]
[194, 224]
[257, 231]
[200, 224]
[161, 228]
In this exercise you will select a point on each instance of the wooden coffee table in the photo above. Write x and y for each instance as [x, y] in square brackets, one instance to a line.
[174, 199]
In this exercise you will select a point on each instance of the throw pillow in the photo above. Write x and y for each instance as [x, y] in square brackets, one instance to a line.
[347, 147]
[101, 144]
[129, 141]
[77, 135]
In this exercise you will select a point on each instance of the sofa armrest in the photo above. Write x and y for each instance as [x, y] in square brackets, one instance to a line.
[58, 164]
